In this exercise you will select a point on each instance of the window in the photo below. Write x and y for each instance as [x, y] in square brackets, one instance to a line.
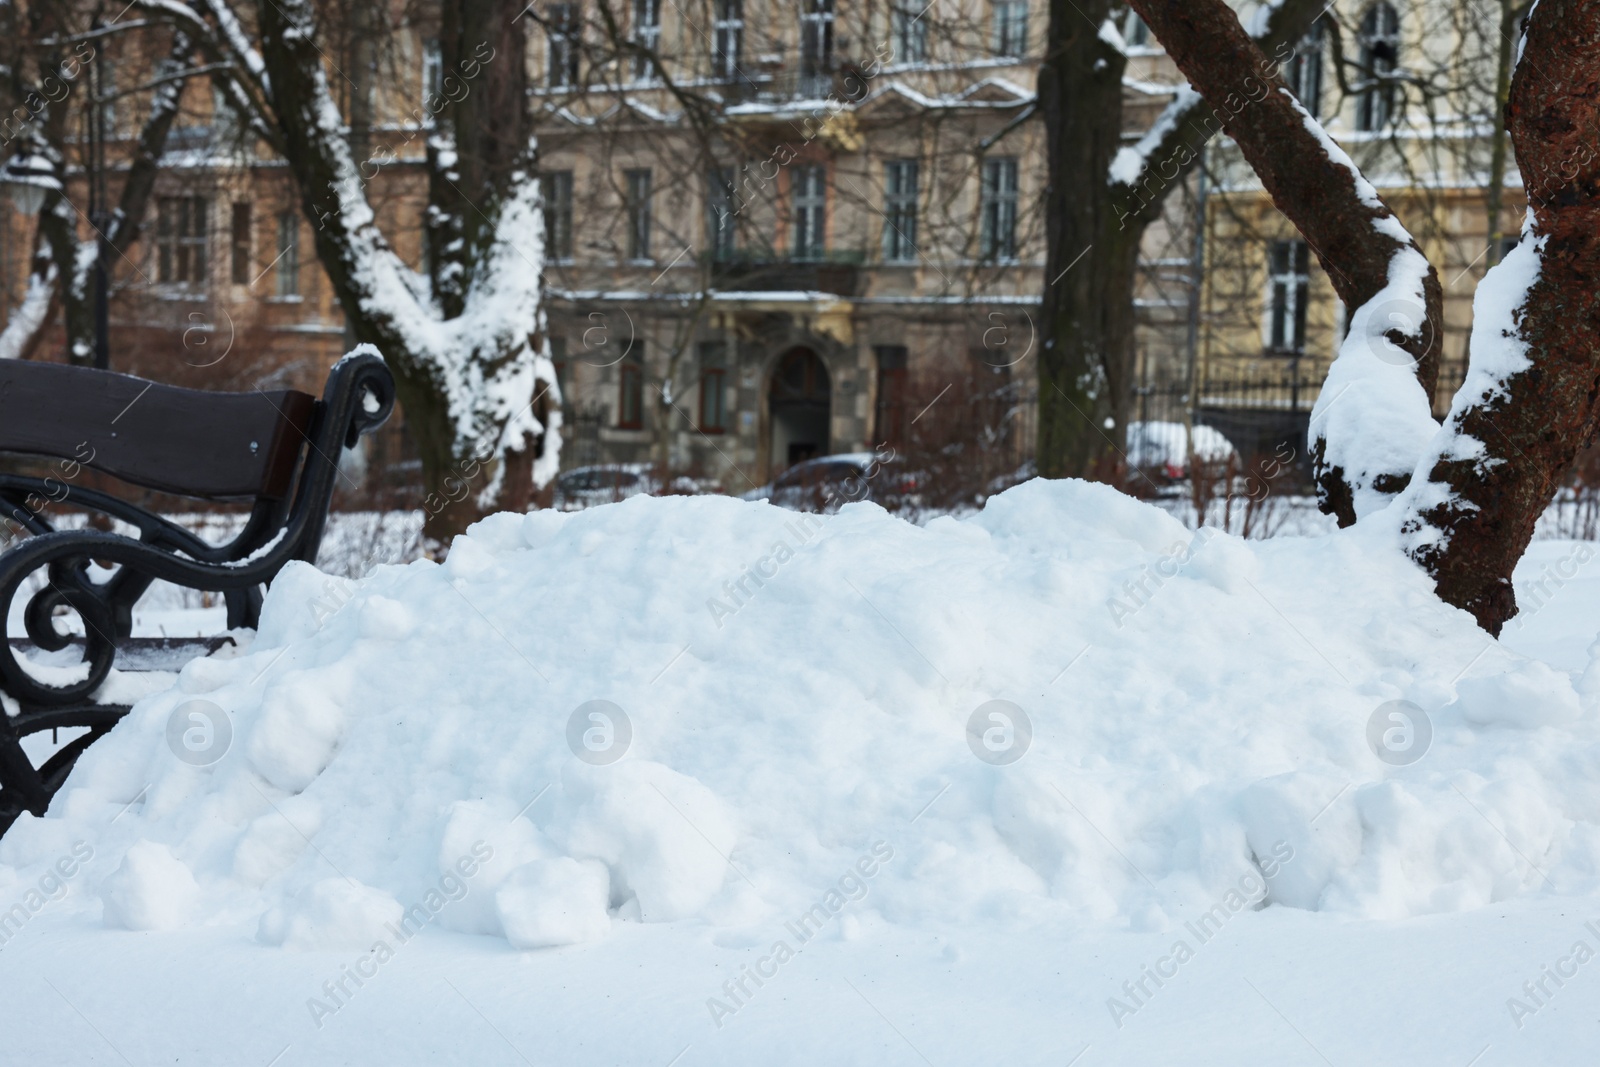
[432, 69]
[816, 47]
[562, 62]
[1134, 32]
[713, 387]
[1288, 265]
[1010, 27]
[288, 262]
[810, 189]
[721, 236]
[729, 28]
[900, 211]
[999, 209]
[637, 204]
[240, 244]
[226, 123]
[181, 240]
[909, 32]
[1305, 71]
[647, 36]
[630, 390]
[889, 423]
[1380, 52]
[558, 215]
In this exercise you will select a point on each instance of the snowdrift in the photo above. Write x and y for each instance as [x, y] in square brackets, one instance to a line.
[710, 711]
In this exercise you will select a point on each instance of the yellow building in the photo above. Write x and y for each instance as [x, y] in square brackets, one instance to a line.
[1413, 105]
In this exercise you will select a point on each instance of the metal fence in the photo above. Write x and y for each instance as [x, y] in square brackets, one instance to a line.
[1258, 409]
[1261, 409]
[1289, 388]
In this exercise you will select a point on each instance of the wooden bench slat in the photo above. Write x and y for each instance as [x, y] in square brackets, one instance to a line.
[214, 446]
[264, 446]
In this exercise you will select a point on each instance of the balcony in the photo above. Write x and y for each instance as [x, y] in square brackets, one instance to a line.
[778, 78]
[837, 272]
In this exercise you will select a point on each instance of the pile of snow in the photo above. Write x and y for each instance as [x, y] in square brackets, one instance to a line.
[714, 711]
[1166, 445]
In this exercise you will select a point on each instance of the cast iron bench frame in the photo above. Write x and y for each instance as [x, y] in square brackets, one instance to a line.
[279, 450]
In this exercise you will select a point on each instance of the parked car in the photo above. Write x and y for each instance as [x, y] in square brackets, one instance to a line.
[827, 483]
[1162, 448]
[605, 483]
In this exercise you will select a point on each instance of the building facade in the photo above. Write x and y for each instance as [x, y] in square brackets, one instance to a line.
[854, 231]
[1407, 89]
[774, 229]
[777, 229]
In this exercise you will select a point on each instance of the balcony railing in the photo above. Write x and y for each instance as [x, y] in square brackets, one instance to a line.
[837, 272]
[784, 77]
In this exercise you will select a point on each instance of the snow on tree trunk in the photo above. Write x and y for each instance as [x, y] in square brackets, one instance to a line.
[1532, 393]
[1374, 417]
[29, 319]
[124, 224]
[63, 267]
[471, 363]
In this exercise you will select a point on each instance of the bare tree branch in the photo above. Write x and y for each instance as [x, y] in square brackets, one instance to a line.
[1366, 444]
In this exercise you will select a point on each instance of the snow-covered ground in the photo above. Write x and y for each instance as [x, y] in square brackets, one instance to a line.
[700, 781]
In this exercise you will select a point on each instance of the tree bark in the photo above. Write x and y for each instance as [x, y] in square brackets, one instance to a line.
[40, 136]
[483, 133]
[1087, 307]
[1532, 395]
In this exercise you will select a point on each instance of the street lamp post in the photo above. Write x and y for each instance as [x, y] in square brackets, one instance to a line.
[99, 216]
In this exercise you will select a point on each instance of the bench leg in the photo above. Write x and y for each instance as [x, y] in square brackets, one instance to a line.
[19, 778]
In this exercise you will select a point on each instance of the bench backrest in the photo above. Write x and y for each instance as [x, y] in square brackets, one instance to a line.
[190, 442]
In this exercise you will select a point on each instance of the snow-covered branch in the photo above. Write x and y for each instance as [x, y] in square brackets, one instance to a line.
[29, 317]
[475, 382]
[1375, 412]
[1141, 173]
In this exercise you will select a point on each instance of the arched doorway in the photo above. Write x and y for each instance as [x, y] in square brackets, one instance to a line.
[799, 403]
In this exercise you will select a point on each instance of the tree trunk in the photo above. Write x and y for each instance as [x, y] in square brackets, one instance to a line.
[41, 136]
[485, 128]
[1532, 394]
[78, 269]
[1087, 308]
[1497, 142]
[1389, 361]
[1532, 390]
[473, 383]
[1095, 222]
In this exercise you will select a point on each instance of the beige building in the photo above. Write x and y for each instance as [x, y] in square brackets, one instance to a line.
[855, 232]
[775, 229]
[786, 229]
[1414, 107]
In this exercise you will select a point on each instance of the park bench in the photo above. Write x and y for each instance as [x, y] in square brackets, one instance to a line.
[278, 450]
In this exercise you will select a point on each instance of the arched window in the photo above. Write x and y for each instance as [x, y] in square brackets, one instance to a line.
[1304, 73]
[1380, 52]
